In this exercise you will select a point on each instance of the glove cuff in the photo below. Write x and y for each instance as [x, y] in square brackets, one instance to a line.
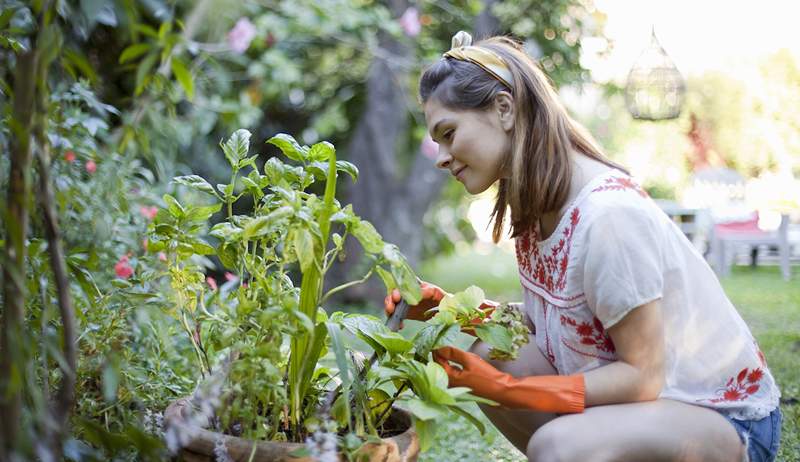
[561, 394]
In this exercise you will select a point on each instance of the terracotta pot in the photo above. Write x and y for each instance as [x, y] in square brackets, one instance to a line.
[200, 448]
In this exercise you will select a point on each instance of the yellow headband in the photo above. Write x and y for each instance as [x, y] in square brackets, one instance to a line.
[462, 50]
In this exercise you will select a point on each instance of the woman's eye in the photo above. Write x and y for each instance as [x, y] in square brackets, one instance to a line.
[448, 135]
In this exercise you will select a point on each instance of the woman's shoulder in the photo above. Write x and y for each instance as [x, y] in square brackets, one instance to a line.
[615, 195]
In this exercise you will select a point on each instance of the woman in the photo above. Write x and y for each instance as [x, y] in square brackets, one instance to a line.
[636, 353]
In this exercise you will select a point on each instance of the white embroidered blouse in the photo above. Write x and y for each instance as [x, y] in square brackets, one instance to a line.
[614, 250]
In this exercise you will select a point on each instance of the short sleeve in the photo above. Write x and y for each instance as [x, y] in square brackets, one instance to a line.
[623, 265]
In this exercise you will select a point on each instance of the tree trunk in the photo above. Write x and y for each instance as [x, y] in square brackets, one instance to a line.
[12, 360]
[395, 204]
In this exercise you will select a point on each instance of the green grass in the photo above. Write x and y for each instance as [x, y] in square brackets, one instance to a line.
[769, 305]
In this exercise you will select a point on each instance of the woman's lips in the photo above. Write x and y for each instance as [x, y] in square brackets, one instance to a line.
[459, 173]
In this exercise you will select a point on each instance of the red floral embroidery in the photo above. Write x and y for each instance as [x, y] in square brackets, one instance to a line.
[591, 334]
[761, 358]
[548, 270]
[620, 184]
[739, 388]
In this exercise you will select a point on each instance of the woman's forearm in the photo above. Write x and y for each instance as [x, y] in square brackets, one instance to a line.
[620, 382]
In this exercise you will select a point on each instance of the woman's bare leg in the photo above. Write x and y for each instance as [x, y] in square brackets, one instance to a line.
[661, 430]
[518, 425]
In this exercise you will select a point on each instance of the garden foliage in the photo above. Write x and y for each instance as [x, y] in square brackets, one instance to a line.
[272, 336]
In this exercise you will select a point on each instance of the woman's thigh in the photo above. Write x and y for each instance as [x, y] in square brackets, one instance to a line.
[518, 425]
[661, 430]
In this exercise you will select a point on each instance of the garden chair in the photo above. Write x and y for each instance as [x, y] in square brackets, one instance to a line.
[732, 222]
[725, 236]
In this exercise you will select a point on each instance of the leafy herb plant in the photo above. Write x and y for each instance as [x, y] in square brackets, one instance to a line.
[290, 369]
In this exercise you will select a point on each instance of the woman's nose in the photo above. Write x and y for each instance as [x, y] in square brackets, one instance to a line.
[443, 159]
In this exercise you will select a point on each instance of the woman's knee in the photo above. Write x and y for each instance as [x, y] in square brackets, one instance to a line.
[552, 442]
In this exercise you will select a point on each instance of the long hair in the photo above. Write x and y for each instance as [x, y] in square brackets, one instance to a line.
[541, 140]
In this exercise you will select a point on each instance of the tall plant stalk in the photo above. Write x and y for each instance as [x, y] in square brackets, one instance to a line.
[306, 348]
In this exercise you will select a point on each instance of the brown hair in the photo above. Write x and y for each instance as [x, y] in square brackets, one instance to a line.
[542, 138]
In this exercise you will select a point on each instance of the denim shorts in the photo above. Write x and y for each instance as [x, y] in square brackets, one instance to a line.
[760, 437]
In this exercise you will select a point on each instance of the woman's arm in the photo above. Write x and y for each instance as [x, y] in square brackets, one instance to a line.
[638, 375]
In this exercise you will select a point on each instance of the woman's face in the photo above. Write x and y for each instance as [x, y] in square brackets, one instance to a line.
[472, 143]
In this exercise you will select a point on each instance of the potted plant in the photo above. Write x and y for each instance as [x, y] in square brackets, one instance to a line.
[280, 378]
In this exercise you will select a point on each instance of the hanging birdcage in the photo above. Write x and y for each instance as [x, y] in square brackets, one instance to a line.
[655, 88]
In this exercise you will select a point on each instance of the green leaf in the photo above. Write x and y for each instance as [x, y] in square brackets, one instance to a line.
[347, 167]
[251, 161]
[183, 75]
[175, 209]
[225, 231]
[146, 30]
[436, 375]
[78, 59]
[387, 278]
[110, 381]
[467, 415]
[236, 147]
[426, 431]
[202, 213]
[407, 282]
[367, 236]
[143, 71]
[363, 322]
[132, 52]
[495, 335]
[321, 151]
[196, 182]
[164, 29]
[434, 336]
[263, 224]
[289, 146]
[201, 247]
[471, 298]
[6, 15]
[392, 342]
[423, 410]
[304, 248]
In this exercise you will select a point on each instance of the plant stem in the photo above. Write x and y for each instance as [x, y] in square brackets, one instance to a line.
[346, 285]
[194, 344]
[379, 422]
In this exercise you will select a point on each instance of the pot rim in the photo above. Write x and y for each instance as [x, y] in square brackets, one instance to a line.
[202, 440]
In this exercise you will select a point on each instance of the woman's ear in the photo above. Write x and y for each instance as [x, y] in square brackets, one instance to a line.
[504, 105]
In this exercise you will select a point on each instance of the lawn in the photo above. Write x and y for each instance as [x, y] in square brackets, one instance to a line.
[769, 305]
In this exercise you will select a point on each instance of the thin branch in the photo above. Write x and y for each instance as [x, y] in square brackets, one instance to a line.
[346, 285]
[65, 397]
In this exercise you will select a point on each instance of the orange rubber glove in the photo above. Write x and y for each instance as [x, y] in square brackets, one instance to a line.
[546, 393]
[432, 295]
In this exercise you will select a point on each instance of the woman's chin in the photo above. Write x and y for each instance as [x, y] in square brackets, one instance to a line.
[475, 189]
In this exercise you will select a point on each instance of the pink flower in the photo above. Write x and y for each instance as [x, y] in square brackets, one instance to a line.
[123, 268]
[409, 22]
[148, 212]
[229, 276]
[211, 283]
[69, 156]
[429, 148]
[91, 166]
[162, 256]
[241, 35]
